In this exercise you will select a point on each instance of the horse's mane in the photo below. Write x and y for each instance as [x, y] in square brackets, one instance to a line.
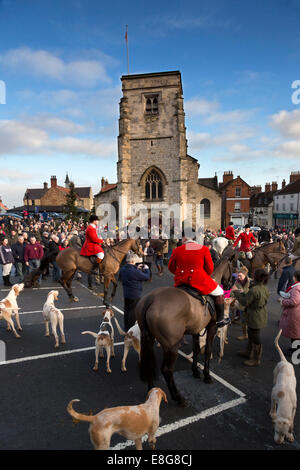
[280, 242]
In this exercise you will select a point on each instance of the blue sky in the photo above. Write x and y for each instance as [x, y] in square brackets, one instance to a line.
[62, 61]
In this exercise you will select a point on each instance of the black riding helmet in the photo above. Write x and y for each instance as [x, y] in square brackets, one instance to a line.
[93, 218]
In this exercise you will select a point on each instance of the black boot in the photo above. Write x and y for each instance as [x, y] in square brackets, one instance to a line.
[219, 306]
[4, 280]
[9, 284]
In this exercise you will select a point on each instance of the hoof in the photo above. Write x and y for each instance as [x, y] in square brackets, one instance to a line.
[208, 380]
[184, 403]
[109, 371]
[20, 329]
[196, 374]
[18, 336]
[75, 299]
[124, 370]
[95, 369]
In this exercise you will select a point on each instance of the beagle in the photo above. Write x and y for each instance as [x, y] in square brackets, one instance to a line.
[9, 307]
[131, 338]
[104, 339]
[131, 422]
[54, 316]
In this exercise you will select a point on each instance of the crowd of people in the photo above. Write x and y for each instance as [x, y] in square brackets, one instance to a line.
[25, 242]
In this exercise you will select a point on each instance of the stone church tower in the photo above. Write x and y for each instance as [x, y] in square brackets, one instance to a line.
[153, 164]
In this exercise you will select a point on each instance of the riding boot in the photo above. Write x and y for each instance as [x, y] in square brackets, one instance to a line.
[245, 332]
[219, 306]
[257, 353]
[7, 281]
[4, 280]
[248, 353]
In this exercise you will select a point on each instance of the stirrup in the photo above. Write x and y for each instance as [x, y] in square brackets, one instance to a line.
[224, 322]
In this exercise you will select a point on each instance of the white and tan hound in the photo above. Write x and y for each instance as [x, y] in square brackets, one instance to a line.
[283, 398]
[9, 307]
[54, 316]
[131, 338]
[104, 339]
[131, 422]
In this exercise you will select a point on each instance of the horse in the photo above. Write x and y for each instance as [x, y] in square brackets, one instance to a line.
[70, 260]
[167, 314]
[281, 264]
[219, 244]
[270, 253]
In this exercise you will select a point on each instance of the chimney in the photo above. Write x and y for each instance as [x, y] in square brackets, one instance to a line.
[294, 176]
[102, 182]
[53, 182]
[256, 189]
[227, 176]
[45, 185]
[283, 184]
[267, 187]
[274, 186]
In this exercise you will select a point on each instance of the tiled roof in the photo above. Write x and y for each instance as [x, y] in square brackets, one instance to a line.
[211, 183]
[292, 188]
[261, 199]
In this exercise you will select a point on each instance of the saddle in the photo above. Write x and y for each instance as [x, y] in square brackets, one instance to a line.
[204, 299]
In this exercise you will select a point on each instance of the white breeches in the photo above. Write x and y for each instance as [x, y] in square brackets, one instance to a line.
[249, 254]
[217, 291]
[100, 255]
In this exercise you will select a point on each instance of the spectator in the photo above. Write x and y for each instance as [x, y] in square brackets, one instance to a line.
[159, 260]
[256, 314]
[214, 255]
[7, 260]
[75, 241]
[33, 254]
[287, 276]
[132, 277]
[264, 236]
[18, 250]
[64, 244]
[290, 318]
[296, 248]
[148, 257]
[13, 237]
[52, 254]
[242, 284]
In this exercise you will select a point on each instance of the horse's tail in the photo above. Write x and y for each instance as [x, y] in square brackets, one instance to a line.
[147, 357]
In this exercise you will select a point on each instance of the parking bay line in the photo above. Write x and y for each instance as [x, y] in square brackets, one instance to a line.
[64, 309]
[45, 356]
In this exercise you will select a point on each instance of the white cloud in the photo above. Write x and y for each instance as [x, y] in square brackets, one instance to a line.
[200, 106]
[287, 123]
[41, 63]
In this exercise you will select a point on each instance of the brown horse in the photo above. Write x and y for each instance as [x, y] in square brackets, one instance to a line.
[270, 253]
[167, 314]
[70, 260]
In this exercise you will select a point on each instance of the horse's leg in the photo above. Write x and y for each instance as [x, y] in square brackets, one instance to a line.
[211, 332]
[66, 281]
[107, 280]
[167, 369]
[90, 284]
[196, 352]
[115, 285]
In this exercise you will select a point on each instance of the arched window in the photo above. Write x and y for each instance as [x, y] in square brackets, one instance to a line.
[206, 204]
[153, 186]
[151, 105]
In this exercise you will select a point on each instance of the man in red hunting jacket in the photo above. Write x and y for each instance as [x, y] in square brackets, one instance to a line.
[92, 245]
[192, 264]
[246, 238]
[229, 232]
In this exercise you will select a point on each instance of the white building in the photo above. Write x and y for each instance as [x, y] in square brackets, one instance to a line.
[287, 204]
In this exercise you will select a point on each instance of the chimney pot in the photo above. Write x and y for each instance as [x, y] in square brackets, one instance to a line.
[53, 182]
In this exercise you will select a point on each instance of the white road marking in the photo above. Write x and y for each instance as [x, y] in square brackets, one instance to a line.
[186, 421]
[45, 356]
[64, 309]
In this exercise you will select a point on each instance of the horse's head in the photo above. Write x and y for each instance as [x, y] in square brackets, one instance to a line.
[137, 248]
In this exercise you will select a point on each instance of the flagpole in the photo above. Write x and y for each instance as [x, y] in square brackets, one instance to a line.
[126, 38]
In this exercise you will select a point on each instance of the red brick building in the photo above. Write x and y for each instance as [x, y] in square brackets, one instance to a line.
[235, 200]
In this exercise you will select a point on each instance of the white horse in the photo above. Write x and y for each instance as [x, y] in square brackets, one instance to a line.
[219, 244]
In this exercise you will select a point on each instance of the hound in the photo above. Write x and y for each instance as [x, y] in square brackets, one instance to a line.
[55, 316]
[131, 338]
[9, 307]
[104, 339]
[283, 398]
[131, 422]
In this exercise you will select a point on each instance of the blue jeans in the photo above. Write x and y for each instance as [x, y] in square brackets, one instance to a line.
[34, 264]
[56, 273]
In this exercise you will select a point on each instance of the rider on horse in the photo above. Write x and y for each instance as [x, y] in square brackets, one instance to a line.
[92, 245]
[246, 238]
[229, 232]
[192, 264]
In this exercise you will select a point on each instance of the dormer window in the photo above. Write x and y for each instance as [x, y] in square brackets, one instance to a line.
[151, 104]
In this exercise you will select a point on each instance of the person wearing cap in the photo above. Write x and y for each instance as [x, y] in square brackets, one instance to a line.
[247, 240]
[93, 244]
[229, 232]
[192, 264]
[132, 277]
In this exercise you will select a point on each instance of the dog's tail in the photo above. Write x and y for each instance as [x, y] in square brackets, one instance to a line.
[78, 416]
[282, 357]
[89, 333]
[121, 332]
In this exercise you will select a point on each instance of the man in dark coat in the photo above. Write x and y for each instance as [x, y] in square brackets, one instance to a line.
[264, 235]
[132, 277]
[18, 254]
[286, 278]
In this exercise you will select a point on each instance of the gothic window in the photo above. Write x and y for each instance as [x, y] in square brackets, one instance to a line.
[151, 105]
[153, 186]
[206, 204]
